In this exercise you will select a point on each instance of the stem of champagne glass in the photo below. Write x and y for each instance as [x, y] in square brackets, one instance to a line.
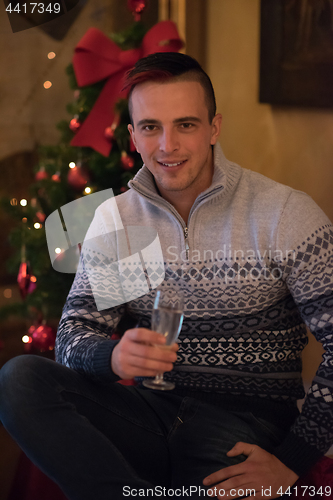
[159, 378]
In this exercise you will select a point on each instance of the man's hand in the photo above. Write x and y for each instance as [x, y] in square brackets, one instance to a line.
[261, 471]
[136, 356]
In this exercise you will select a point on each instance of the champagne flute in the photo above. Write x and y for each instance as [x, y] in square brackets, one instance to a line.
[167, 319]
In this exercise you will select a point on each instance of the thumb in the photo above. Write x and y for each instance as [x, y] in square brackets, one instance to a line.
[241, 449]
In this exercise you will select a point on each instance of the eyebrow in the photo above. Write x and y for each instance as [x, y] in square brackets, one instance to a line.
[147, 121]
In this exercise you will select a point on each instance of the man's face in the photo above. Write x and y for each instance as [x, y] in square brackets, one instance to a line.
[172, 133]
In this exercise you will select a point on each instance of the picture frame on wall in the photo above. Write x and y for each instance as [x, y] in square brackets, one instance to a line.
[296, 52]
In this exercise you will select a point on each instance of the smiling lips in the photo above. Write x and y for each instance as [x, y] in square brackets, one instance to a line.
[171, 164]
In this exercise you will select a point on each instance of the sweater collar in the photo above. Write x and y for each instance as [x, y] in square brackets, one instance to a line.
[144, 183]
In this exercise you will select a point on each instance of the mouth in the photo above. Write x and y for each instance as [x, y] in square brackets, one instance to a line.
[170, 164]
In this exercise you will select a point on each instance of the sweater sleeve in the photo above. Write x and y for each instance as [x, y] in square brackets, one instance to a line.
[93, 308]
[306, 230]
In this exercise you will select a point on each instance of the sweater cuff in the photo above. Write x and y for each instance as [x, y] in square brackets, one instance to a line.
[102, 361]
[297, 454]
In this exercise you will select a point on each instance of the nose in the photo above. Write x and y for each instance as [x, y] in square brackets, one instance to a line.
[169, 141]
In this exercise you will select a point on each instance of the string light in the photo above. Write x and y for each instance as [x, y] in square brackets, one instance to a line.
[47, 84]
[51, 55]
[24, 220]
[58, 250]
[13, 202]
[72, 164]
[37, 225]
[87, 190]
[23, 202]
[26, 339]
[33, 279]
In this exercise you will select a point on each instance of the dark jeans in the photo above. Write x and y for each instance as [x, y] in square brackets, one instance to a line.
[99, 442]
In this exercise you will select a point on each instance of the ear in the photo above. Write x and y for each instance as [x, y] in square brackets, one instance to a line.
[132, 134]
[216, 128]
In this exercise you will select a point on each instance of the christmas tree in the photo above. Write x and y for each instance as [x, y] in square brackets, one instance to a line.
[94, 153]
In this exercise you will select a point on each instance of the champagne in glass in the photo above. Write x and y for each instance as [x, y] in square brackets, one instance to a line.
[167, 319]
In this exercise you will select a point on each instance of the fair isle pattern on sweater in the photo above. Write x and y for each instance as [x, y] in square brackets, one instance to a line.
[246, 312]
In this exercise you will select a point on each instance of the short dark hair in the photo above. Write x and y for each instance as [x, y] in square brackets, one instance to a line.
[165, 66]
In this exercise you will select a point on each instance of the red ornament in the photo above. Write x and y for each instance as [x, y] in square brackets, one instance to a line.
[43, 337]
[109, 133]
[26, 281]
[41, 174]
[126, 161]
[23, 278]
[56, 177]
[74, 124]
[32, 285]
[31, 330]
[137, 7]
[78, 177]
[41, 217]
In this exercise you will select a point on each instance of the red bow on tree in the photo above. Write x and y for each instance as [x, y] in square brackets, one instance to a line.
[97, 58]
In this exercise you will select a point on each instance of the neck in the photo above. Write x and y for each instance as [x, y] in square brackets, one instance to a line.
[183, 201]
[182, 205]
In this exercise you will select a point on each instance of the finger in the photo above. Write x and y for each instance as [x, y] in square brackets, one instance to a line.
[157, 366]
[174, 347]
[145, 336]
[135, 367]
[241, 448]
[149, 352]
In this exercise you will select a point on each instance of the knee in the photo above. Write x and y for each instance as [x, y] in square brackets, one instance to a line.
[16, 370]
[18, 380]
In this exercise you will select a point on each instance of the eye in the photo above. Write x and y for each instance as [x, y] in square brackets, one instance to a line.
[149, 128]
[186, 125]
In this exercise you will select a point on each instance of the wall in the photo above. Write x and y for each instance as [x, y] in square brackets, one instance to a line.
[290, 145]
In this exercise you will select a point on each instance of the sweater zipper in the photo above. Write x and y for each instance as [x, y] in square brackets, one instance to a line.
[157, 201]
[187, 246]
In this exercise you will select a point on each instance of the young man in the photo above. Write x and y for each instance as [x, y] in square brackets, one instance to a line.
[254, 261]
